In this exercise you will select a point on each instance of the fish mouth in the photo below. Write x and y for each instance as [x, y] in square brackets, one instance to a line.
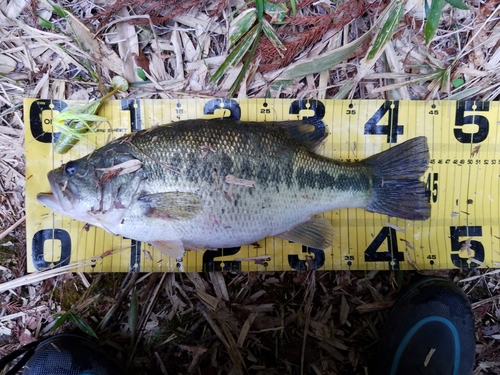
[61, 199]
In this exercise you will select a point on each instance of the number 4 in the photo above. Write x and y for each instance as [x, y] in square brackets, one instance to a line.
[392, 129]
[392, 255]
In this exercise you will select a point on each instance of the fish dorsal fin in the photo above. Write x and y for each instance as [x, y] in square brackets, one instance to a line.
[171, 205]
[309, 132]
[171, 248]
[316, 233]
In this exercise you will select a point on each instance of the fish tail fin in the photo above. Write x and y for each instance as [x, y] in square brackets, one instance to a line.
[397, 189]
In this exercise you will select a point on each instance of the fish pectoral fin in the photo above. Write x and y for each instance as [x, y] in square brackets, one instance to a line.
[171, 205]
[171, 248]
[316, 233]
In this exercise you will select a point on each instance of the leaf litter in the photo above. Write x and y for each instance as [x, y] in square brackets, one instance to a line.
[273, 323]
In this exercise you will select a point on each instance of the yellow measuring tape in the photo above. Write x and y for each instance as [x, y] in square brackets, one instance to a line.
[462, 182]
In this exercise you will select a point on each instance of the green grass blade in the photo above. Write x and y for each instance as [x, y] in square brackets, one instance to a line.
[133, 316]
[60, 11]
[433, 17]
[259, 5]
[238, 52]
[387, 31]
[272, 36]
[246, 64]
[241, 24]
[80, 323]
[44, 23]
[345, 89]
[322, 62]
[61, 318]
[458, 4]
[277, 11]
[331, 58]
[445, 79]
[465, 94]
[294, 7]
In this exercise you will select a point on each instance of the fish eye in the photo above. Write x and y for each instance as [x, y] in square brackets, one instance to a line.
[70, 168]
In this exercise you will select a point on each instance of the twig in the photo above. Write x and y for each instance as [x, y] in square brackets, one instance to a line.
[308, 304]
[12, 227]
[485, 301]
[479, 276]
[146, 314]
[163, 369]
[126, 19]
[130, 281]
[51, 272]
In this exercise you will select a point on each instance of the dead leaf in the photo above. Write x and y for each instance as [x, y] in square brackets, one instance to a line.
[466, 246]
[475, 151]
[194, 349]
[7, 64]
[393, 226]
[411, 261]
[142, 61]
[374, 306]
[408, 244]
[95, 47]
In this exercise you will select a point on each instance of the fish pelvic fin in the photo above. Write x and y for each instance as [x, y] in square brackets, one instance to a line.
[397, 190]
[316, 233]
[171, 248]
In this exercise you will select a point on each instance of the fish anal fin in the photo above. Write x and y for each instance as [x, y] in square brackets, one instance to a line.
[171, 248]
[316, 233]
[171, 205]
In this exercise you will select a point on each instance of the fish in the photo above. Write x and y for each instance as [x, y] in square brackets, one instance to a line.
[208, 184]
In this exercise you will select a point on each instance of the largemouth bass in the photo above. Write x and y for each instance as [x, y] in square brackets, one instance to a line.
[222, 183]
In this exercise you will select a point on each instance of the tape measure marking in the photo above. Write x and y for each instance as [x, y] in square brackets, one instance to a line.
[462, 184]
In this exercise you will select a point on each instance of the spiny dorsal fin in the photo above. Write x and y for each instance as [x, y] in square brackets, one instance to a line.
[308, 132]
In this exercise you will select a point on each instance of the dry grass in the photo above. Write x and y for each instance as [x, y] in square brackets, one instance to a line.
[273, 323]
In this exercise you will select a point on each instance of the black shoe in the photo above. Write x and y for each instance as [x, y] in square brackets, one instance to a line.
[63, 354]
[429, 331]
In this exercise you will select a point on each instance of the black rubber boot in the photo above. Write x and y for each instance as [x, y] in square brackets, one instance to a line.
[429, 331]
[63, 354]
